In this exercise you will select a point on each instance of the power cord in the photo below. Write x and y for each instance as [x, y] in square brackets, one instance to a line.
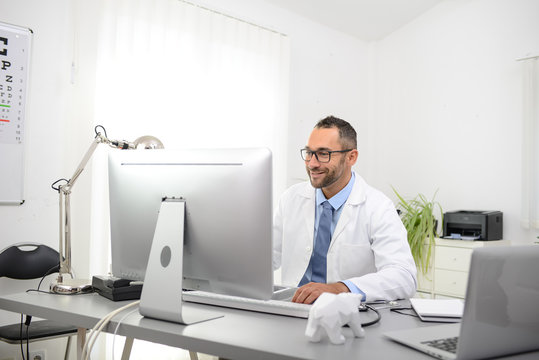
[28, 319]
[50, 271]
[96, 330]
[26, 322]
[21, 339]
[117, 327]
[399, 311]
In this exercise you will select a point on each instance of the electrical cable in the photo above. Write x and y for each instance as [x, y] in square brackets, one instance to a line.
[94, 333]
[97, 132]
[96, 330]
[57, 187]
[29, 318]
[47, 273]
[27, 323]
[399, 311]
[50, 271]
[117, 327]
[21, 341]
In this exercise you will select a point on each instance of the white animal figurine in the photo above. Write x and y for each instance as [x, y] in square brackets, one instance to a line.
[330, 312]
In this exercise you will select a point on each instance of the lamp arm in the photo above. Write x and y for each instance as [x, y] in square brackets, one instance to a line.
[64, 191]
[99, 138]
[65, 209]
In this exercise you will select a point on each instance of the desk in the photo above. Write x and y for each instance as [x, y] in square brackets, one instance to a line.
[237, 335]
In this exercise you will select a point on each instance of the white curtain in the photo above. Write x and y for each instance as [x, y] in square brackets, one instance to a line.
[530, 144]
[190, 76]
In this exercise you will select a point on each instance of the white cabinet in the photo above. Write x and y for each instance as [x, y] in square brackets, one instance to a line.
[448, 272]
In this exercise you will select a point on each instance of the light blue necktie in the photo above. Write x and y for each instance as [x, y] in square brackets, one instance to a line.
[318, 262]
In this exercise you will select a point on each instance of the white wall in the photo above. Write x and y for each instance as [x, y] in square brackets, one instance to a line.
[447, 114]
[48, 94]
[36, 219]
[324, 79]
[328, 72]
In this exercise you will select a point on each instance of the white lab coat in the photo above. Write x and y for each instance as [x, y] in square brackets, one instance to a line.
[368, 246]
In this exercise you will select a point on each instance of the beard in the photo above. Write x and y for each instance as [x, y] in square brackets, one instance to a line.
[325, 177]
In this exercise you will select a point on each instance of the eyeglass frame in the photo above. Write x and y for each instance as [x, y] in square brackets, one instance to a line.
[315, 153]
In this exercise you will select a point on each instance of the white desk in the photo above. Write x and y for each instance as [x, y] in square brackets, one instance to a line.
[237, 335]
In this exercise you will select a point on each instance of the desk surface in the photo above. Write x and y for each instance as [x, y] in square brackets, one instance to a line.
[237, 335]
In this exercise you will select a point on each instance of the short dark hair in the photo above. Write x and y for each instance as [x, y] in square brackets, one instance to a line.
[347, 134]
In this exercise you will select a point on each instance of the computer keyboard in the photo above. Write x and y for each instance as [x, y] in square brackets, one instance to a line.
[447, 344]
[279, 307]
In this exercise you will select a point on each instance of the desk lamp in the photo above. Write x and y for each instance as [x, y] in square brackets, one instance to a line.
[64, 285]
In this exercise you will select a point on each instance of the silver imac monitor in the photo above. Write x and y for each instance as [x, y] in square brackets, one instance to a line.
[228, 217]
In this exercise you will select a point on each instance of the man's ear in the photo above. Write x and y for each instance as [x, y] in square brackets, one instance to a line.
[352, 156]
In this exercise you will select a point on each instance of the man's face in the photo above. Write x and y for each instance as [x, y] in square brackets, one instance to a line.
[332, 174]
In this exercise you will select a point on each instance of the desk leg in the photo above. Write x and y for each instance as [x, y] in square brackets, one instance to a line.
[81, 338]
[193, 355]
[127, 348]
[68, 347]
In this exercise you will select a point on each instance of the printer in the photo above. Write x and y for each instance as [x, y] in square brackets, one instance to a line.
[473, 225]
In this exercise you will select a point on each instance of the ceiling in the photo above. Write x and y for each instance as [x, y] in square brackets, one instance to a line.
[365, 19]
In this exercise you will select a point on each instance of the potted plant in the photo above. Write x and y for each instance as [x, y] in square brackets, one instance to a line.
[418, 217]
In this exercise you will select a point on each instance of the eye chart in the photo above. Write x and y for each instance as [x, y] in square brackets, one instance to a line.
[15, 43]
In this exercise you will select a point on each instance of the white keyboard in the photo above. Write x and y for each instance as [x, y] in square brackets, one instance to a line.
[279, 307]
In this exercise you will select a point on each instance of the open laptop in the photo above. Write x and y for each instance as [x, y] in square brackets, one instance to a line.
[501, 311]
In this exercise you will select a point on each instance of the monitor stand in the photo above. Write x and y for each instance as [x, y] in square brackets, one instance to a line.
[161, 296]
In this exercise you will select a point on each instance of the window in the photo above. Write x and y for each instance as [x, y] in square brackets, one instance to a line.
[190, 76]
[530, 144]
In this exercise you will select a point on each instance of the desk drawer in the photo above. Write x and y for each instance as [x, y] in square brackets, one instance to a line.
[424, 281]
[450, 282]
[451, 258]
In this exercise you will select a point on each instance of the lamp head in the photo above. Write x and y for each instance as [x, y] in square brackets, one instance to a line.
[148, 142]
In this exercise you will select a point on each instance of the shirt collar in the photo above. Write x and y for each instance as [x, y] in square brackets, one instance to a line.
[338, 199]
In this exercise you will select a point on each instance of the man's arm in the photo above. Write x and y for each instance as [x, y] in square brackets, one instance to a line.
[395, 275]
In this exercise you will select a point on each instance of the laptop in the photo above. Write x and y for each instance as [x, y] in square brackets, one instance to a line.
[501, 310]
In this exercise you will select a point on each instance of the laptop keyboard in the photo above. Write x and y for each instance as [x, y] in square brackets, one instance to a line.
[447, 344]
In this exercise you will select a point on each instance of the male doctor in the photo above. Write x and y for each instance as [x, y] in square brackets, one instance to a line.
[337, 234]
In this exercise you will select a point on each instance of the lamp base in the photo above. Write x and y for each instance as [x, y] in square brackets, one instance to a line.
[71, 286]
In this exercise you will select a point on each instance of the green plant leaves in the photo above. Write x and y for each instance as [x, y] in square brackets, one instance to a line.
[418, 218]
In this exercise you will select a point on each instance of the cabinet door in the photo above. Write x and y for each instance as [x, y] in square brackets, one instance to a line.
[449, 282]
[425, 281]
[452, 258]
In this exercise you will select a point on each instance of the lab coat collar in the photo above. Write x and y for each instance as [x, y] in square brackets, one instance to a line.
[357, 198]
[359, 191]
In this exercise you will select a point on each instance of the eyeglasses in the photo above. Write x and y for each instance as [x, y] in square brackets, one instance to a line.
[323, 156]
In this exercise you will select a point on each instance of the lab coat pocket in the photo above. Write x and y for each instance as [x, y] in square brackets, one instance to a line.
[355, 260]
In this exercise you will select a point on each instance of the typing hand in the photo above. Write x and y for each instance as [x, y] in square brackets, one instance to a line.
[308, 293]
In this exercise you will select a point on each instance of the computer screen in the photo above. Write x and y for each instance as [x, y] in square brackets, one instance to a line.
[228, 221]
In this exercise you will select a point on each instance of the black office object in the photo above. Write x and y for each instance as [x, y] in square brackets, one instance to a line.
[473, 225]
[116, 289]
[25, 261]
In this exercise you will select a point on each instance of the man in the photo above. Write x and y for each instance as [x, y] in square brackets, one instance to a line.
[354, 241]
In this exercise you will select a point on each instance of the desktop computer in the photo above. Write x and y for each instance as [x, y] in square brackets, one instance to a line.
[227, 250]
[228, 215]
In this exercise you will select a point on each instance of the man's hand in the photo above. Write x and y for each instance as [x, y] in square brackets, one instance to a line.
[308, 293]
